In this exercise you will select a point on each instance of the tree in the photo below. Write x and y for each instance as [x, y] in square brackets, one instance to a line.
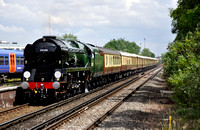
[147, 52]
[186, 17]
[123, 45]
[182, 69]
[181, 64]
[153, 55]
[69, 37]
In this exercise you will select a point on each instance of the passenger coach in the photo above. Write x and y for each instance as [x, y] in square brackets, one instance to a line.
[11, 64]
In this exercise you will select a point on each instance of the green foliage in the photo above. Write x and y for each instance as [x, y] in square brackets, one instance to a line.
[69, 37]
[146, 52]
[123, 45]
[182, 69]
[152, 55]
[186, 17]
[182, 62]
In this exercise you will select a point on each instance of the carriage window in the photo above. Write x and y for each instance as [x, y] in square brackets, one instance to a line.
[18, 61]
[22, 60]
[14, 60]
[1, 60]
[106, 60]
[114, 61]
[6, 60]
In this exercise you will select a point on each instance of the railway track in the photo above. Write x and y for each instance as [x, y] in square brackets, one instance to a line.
[16, 121]
[13, 109]
[78, 110]
[99, 120]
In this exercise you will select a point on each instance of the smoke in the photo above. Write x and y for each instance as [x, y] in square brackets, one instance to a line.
[2, 3]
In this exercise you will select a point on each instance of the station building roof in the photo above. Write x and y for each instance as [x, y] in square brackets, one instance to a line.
[10, 46]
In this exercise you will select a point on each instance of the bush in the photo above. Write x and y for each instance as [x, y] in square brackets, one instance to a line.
[182, 70]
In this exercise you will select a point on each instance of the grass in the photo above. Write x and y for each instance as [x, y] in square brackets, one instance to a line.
[180, 123]
[8, 85]
[8, 82]
[14, 79]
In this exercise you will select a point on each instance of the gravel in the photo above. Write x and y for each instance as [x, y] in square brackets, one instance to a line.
[146, 109]
[43, 117]
[88, 117]
[19, 112]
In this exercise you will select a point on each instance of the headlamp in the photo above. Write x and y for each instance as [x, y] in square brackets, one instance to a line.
[27, 74]
[57, 74]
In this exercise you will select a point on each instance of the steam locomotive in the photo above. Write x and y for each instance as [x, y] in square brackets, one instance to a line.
[56, 69]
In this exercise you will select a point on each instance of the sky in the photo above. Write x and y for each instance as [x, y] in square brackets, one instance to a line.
[145, 22]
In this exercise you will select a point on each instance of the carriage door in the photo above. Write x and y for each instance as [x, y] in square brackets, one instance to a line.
[12, 62]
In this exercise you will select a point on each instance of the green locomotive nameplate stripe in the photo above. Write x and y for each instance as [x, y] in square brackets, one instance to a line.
[78, 69]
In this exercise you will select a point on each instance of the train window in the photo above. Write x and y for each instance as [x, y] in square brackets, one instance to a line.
[114, 61]
[110, 62]
[130, 61]
[17, 60]
[106, 60]
[11, 59]
[22, 60]
[14, 60]
[6, 60]
[74, 44]
[1, 60]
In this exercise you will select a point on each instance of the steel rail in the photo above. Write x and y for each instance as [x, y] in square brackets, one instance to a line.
[14, 108]
[99, 120]
[82, 107]
[32, 114]
[52, 106]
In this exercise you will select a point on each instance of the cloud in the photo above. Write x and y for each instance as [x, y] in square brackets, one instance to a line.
[2, 3]
[17, 13]
[93, 21]
[11, 29]
[128, 3]
[86, 32]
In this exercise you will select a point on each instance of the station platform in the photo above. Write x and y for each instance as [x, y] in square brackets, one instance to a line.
[6, 89]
